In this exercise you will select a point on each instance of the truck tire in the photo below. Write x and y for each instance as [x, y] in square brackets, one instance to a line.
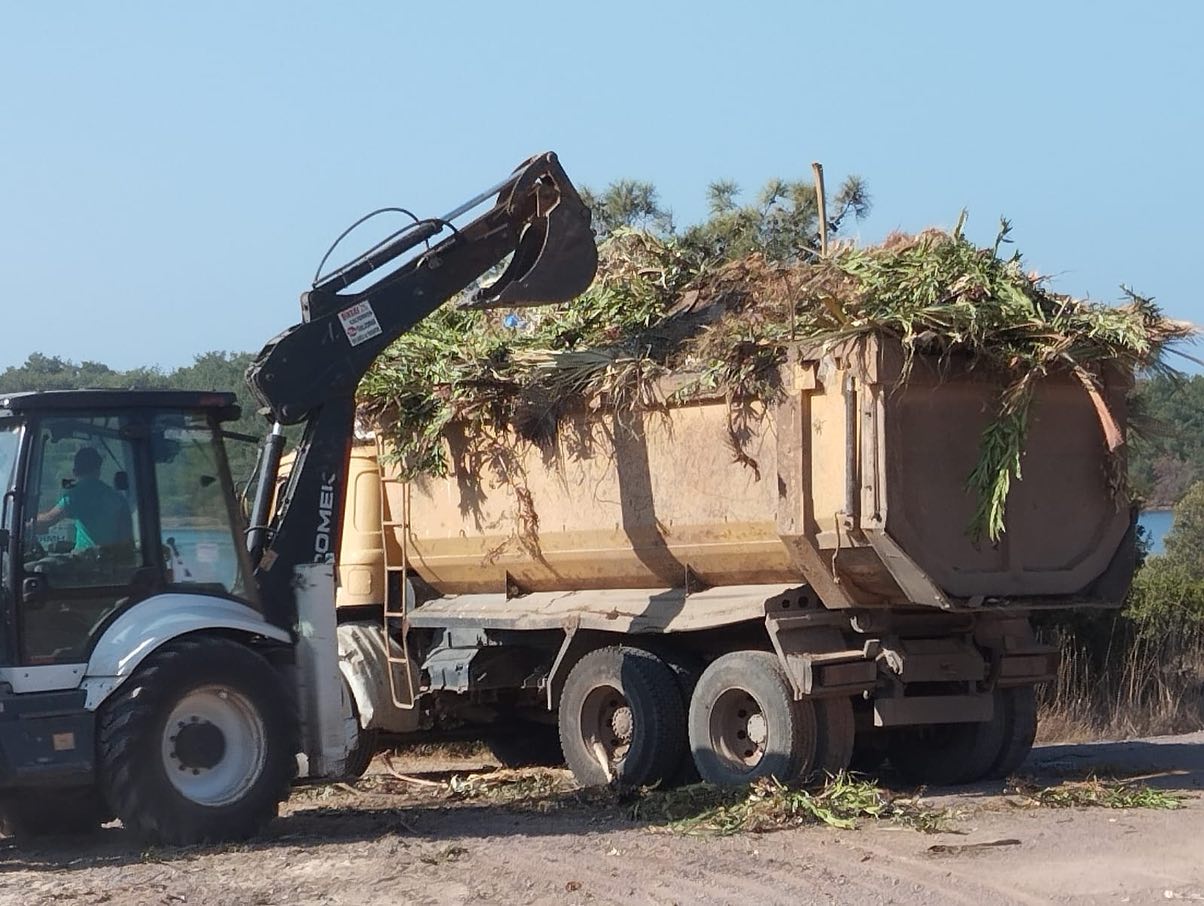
[526, 744]
[1019, 708]
[687, 669]
[870, 751]
[745, 724]
[621, 719]
[199, 744]
[361, 754]
[51, 813]
[366, 742]
[948, 754]
[835, 735]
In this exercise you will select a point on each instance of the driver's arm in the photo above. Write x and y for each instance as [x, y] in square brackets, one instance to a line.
[50, 517]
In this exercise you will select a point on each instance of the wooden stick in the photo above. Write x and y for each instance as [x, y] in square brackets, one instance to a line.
[406, 778]
[821, 202]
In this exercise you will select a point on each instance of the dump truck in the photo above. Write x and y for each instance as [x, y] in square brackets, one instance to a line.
[661, 604]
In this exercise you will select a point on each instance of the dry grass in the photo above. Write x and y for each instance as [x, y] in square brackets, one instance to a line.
[1137, 686]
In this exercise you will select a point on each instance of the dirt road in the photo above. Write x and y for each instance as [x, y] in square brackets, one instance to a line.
[338, 845]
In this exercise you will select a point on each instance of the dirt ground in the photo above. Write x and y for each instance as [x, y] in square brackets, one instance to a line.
[339, 845]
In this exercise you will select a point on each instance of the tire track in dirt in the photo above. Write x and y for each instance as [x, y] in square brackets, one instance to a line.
[638, 866]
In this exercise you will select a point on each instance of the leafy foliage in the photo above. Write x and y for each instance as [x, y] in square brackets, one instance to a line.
[664, 305]
[769, 805]
[1167, 451]
[1168, 592]
[1096, 792]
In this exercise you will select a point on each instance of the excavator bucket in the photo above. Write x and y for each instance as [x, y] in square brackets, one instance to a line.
[556, 256]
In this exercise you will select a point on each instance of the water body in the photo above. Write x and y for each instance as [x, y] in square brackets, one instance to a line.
[1157, 523]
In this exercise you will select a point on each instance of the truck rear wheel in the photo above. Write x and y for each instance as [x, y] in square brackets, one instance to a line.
[621, 719]
[745, 724]
[687, 667]
[1019, 710]
[945, 754]
[199, 744]
[835, 734]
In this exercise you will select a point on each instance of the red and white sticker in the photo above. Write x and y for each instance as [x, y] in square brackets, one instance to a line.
[359, 323]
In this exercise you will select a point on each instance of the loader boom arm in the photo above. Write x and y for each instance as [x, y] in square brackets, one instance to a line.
[309, 373]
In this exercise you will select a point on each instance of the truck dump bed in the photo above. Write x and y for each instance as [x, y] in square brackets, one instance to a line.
[852, 481]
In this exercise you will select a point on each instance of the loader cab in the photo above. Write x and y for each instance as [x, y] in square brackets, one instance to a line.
[110, 498]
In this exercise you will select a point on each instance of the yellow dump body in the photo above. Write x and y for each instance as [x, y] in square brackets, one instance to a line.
[851, 481]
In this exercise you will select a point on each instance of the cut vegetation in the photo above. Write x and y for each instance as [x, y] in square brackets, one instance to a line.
[660, 307]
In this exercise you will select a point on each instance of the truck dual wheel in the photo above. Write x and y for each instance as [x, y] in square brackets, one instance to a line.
[835, 734]
[199, 744]
[966, 753]
[621, 719]
[687, 667]
[744, 722]
[945, 754]
[1018, 707]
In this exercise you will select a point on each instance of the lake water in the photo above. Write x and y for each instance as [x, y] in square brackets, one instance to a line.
[1157, 523]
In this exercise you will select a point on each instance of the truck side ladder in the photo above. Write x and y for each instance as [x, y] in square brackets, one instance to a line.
[396, 607]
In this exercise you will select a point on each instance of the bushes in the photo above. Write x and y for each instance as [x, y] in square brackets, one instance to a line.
[1141, 671]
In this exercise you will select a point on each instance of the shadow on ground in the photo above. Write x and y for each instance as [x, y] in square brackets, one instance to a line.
[342, 814]
[1172, 763]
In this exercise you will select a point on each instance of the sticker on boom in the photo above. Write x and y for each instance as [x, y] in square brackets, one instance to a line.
[359, 323]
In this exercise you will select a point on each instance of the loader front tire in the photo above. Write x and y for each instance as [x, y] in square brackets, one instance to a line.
[199, 744]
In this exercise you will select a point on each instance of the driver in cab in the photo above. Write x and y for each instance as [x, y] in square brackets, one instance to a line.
[101, 514]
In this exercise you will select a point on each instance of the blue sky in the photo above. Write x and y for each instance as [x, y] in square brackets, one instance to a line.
[170, 174]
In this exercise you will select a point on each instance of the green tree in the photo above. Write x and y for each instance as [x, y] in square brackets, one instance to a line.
[1166, 454]
[209, 371]
[628, 203]
[1168, 591]
[782, 222]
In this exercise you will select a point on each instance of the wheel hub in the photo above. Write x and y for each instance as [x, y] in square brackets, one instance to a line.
[607, 725]
[199, 744]
[739, 729]
[214, 745]
[757, 730]
[622, 723]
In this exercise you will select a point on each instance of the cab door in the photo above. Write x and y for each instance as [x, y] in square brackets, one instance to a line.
[86, 549]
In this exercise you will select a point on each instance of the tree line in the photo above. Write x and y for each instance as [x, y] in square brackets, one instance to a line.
[215, 370]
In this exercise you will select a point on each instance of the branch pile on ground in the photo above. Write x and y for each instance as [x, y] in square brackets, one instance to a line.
[655, 309]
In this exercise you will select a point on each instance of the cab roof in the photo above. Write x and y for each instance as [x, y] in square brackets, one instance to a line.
[224, 404]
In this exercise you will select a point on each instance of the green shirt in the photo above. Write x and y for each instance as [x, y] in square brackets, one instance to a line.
[101, 514]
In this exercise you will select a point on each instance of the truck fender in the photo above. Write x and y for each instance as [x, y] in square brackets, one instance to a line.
[159, 619]
[365, 668]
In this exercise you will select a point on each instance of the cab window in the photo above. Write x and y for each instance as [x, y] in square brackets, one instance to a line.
[200, 532]
[82, 548]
